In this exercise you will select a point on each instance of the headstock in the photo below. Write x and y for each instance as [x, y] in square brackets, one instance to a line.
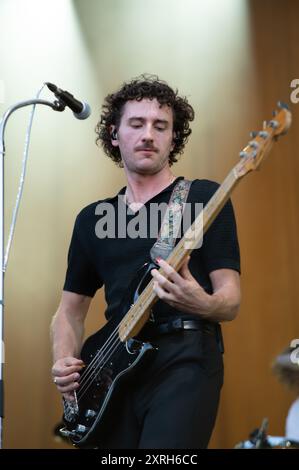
[257, 148]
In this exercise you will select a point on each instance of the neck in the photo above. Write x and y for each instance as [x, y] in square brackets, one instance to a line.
[141, 188]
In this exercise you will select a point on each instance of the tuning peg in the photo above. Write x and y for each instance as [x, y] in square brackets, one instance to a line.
[274, 113]
[253, 134]
[282, 105]
[253, 144]
[274, 124]
[264, 134]
[243, 154]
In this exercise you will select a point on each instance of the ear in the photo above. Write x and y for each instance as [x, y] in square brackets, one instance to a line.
[173, 141]
[113, 134]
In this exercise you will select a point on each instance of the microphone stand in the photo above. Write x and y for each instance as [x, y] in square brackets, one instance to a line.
[57, 106]
[261, 438]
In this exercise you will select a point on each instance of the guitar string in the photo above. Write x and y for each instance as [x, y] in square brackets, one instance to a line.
[100, 359]
[90, 369]
[103, 356]
[82, 391]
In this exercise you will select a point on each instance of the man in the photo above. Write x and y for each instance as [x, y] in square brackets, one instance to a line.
[143, 127]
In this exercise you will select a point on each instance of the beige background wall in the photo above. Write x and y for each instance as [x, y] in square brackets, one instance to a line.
[233, 59]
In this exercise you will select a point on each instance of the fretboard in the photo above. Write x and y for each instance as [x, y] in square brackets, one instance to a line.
[139, 312]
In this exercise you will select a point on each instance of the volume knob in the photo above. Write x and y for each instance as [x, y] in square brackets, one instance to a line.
[81, 428]
[90, 414]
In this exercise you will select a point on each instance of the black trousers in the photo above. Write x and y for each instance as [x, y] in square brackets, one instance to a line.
[173, 402]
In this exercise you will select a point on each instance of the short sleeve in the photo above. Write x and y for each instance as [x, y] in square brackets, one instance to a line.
[81, 276]
[220, 247]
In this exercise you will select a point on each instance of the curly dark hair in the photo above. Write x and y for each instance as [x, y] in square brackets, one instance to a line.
[144, 86]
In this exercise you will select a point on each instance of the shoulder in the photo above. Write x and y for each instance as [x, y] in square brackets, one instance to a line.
[89, 212]
[204, 185]
[86, 214]
[203, 189]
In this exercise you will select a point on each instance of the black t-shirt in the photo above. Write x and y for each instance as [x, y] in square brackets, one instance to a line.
[113, 261]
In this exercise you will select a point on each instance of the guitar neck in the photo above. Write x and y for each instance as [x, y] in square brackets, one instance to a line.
[193, 237]
[139, 313]
[251, 158]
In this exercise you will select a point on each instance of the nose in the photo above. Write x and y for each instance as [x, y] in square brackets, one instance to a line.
[147, 134]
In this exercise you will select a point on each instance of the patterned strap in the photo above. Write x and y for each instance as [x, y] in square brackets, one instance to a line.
[171, 221]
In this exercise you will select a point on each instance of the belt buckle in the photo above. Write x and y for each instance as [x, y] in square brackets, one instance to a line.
[177, 324]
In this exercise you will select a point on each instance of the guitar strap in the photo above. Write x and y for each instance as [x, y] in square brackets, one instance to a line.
[168, 233]
[171, 222]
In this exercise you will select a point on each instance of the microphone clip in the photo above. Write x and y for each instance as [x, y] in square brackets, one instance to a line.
[59, 105]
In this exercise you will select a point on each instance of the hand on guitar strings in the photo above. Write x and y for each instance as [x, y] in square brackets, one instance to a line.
[65, 373]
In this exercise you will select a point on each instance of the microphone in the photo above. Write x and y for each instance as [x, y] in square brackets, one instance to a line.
[81, 110]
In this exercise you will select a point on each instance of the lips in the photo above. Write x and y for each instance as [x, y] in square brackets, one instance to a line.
[147, 150]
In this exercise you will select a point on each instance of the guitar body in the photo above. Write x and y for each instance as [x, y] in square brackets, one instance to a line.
[110, 364]
[96, 410]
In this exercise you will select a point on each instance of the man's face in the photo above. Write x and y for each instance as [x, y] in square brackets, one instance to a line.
[145, 136]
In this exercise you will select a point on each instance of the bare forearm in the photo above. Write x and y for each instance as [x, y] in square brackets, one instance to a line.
[67, 332]
[183, 292]
[222, 305]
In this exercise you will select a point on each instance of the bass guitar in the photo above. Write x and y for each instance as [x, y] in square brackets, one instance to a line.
[114, 354]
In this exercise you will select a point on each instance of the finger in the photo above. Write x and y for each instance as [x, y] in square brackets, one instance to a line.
[68, 388]
[170, 272]
[73, 361]
[185, 271]
[63, 371]
[66, 380]
[69, 396]
[163, 282]
[67, 365]
[161, 293]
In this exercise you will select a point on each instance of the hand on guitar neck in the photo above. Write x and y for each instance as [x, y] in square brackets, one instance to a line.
[182, 291]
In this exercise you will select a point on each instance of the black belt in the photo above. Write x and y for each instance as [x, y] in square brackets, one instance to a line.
[154, 329]
[172, 326]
